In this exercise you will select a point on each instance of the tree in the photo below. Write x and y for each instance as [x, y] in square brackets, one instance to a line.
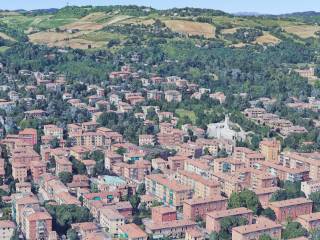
[54, 143]
[65, 177]
[227, 223]
[72, 234]
[141, 189]
[247, 199]
[121, 151]
[65, 215]
[294, 230]
[78, 167]
[97, 155]
[289, 190]
[269, 213]
[315, 198]
[214, 236]
[265, 237]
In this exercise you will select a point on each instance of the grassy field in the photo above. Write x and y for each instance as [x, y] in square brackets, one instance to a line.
[103, 36]
[191, 28]
[182, 112]
[267, 38]
[6, 37]
[3, 49]
[303, 31]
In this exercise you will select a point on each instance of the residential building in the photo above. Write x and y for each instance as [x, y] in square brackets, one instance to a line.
[199, 207]
[263, 226]
[172, 96]
[174, 229]
[310, 221]
[132, 232]
[163, 214]
[168, 191]
[291, 208]
[111, 220]
[7, 229]
[213, 218]
[63, 165]
[270, 149]
[202, 187]
[309, 187]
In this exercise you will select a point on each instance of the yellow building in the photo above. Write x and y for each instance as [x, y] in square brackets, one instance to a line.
[202, 187]
[168, 191]
[270, 149]
[111, 220]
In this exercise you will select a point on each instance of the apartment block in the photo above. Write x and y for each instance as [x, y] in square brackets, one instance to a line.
[264, 226]
[270, 149]
[201, 186]
[7, 229]
[166, 190]
[199, 207]
[163, 214]
[310, 221]
[213, 218]
[291, 208]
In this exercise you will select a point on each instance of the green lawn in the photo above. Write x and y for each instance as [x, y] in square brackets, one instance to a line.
[182, 112]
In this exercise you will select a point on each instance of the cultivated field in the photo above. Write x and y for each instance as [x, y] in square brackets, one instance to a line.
[303, 31]
[191, 28]
[6, 37]
[267, 38]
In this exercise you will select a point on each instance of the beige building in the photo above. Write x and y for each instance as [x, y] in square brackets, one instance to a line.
[202, 187]
[6, 229]
[264, 226]
[132, 232]
[168, 191]
[111, 220]
[53, 131]
[270, 149]
[172, 96]
[309, 187]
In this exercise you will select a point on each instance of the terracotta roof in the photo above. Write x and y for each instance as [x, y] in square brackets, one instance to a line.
[39, 216]
[197, 201]
[172, 224]
[262, 225]
[310, 217]
[229, 212]
[290, 202]
[133, 231]
[7, 224]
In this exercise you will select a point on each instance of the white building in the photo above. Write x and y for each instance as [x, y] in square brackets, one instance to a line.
[309, 187]
[223, 130]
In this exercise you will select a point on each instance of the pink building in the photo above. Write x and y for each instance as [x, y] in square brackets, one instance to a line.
[29, 135]
[163, 214]
[213, 218]
[291, 208]
[200, 207]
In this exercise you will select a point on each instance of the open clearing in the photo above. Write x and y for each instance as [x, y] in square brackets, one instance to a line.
[229, 31]
[182, 113]
[191, 28]
[139, 21]
[6, 37]
[303, 31]
[267, 38]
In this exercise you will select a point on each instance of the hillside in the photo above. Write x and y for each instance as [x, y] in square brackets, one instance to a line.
[93, 27]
